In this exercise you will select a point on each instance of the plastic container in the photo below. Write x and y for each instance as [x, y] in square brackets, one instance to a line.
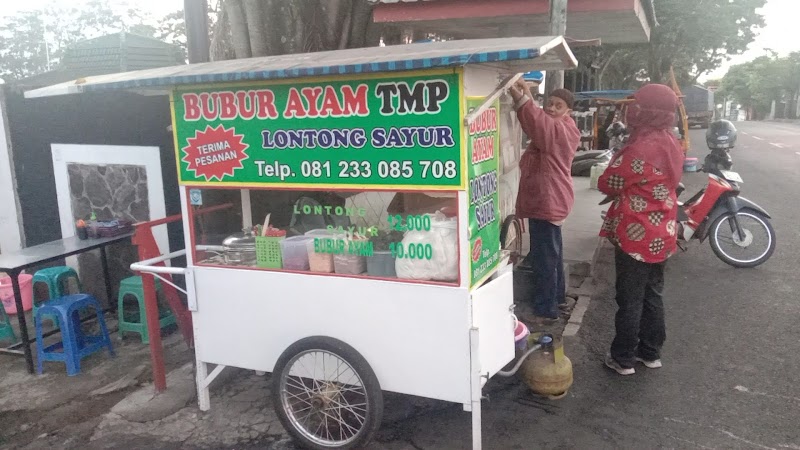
[7, 293]
[521, 334]
[690, 165]
[348, 264]
[294, 251]
[319, 262]
[381, 264]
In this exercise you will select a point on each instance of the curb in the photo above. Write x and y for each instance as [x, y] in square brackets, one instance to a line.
[603, 255]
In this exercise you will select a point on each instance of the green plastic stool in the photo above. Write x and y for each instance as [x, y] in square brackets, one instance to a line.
[6, 331]
[54, 278]
[133, 286]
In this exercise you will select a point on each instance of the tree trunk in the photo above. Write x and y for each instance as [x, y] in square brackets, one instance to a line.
[239, 32]
[221, 45]
[603, 69]
[362, 18]
[256, 27]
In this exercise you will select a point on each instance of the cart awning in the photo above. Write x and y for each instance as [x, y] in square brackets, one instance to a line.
[512, 55]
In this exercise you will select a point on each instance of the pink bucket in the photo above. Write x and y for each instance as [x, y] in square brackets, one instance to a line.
[7, 293]
[521, 335]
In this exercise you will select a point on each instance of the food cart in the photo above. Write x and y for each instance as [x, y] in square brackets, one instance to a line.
[362, 253]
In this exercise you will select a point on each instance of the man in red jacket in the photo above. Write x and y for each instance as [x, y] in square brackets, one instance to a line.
[545, 193]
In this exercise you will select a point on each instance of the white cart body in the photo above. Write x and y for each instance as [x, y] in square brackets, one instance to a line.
[429, 340]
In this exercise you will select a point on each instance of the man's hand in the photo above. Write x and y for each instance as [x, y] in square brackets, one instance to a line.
[519, 90]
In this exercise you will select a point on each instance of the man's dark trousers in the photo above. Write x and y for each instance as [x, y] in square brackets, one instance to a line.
[546, 260]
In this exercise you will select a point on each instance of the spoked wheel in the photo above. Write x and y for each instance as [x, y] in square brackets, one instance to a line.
[753, 247]
[511, 238]
[326, 395]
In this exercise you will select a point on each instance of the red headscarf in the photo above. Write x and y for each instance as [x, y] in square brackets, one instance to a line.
[651, 118]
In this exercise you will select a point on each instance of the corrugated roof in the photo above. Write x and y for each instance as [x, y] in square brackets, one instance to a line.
[120, 52]
[514, 54]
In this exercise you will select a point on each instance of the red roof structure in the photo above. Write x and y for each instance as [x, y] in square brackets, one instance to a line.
[612, 21]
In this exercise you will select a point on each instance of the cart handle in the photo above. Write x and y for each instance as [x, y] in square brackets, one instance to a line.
[147, 265]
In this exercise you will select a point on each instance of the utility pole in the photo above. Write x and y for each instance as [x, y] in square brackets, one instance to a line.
[558, 27]
[195, 14]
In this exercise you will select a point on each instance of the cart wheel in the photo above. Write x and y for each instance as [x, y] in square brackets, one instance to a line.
[326, 395]
[511, 237]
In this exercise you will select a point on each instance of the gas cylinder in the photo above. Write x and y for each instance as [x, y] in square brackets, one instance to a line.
[548, 371]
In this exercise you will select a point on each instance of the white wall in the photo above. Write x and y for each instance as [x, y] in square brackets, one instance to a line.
[11, 237]
[149, 157]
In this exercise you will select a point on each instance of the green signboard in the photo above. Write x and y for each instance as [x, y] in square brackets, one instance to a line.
[393, 132]
[483, 145]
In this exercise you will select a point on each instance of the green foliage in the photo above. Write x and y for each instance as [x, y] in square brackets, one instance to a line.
[33, 42]
[757, 83]
[693, 36]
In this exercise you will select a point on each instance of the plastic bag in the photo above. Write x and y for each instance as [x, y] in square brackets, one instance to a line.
[440, 243]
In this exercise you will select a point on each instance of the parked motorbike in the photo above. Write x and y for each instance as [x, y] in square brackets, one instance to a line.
[582, 163]
[720, 138]
[739, 231]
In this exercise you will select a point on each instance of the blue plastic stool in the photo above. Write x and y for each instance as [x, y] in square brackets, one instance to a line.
[53, 278]
[74, 343]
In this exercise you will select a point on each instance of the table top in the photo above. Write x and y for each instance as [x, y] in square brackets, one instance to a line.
[39, 254]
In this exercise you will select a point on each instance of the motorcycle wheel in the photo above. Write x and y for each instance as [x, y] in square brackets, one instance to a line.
[757, 246]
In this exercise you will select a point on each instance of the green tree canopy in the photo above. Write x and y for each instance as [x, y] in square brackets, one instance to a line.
[32, 42]
[693, 36]
[756, 84]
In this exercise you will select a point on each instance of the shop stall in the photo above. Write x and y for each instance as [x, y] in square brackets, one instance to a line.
[362, 249]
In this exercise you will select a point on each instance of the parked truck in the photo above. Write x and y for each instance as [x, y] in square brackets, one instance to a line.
[699, 103]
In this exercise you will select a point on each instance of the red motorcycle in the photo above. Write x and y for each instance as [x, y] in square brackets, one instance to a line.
[739, 231]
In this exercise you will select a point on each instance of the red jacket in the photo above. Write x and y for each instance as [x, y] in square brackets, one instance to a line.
[642, 219]
[545, 186]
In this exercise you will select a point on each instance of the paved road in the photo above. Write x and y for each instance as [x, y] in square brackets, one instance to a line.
[732, 359]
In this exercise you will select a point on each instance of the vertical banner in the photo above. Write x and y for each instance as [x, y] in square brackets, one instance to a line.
[483, 144]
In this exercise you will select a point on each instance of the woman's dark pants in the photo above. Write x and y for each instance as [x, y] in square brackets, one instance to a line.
[640, 318]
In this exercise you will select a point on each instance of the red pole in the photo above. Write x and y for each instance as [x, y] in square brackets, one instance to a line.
[154, 332]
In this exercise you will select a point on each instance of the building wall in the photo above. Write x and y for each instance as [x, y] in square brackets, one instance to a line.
[10, 226]
[109, 191]
[99, 119]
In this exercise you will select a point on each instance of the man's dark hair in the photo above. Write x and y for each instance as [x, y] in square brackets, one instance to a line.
[565, 95]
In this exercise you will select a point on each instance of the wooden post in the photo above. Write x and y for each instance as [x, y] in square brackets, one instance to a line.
[558, 27]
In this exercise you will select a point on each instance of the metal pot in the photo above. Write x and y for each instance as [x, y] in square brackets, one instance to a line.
[240, 249]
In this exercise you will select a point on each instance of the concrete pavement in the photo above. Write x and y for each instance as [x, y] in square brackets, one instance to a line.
[729, 381]
[732, 354]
